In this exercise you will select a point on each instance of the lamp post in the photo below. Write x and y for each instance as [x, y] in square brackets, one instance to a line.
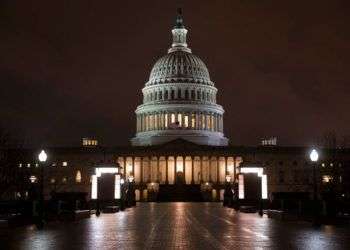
[42, 159]
[314, 158]
[131, 191]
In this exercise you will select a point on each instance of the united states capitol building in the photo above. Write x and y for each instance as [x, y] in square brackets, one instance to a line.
[179, 151]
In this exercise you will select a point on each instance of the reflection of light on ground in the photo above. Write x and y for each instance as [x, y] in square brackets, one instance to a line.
[177, 226]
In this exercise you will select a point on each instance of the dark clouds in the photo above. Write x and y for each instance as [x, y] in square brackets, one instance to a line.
[69, 69]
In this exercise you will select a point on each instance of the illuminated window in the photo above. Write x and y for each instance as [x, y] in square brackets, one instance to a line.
[64, 180]
[186, 121]
[54, 164]
[52, 180]
[36, 165]
[193, 121]
[64, 164]
[326, 178]
[166, 120]
[78, 177]
[28, 165]
[32, 179]
[20, 165]
[179, 119]
[208, 122]
[203, 120]
[94, 187]
[172, 118]
[156, 121]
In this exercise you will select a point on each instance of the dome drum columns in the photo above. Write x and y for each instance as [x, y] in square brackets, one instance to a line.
[179, 99]
[178, 120]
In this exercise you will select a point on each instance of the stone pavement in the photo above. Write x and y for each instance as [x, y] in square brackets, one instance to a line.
[177, 226]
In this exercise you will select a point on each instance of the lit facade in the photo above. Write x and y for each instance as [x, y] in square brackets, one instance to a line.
[179, 99]
[180, 142]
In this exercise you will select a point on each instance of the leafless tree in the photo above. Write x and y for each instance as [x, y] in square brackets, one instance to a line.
[12, 178]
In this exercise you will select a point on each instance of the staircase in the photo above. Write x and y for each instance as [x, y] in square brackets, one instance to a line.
[179, 192]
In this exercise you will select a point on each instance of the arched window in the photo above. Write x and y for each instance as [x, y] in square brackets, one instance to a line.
[78, 177]
[151, 97]
[172, 94]
[156, 96]
[186, 94]
[198, 94]
[166, 95]
[160, 95]
[208, 96]
[179, 94]
[192, 94]
[203, 95]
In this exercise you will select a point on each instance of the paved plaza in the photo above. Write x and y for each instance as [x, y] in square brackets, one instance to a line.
[177, 226]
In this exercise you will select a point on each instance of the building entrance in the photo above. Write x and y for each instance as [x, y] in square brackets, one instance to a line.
[180, 178]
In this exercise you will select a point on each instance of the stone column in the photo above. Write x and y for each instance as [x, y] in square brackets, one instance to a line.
[133, 165]
[182, 119]
[166, 170]
[175, 164]
[234, 168]
[184, 167]
[210, 160]
[217, 170]
[169, 119]
[222, 123]
[158, 180]
[141, 169]
[149, 168]
[124, 166]
[161, 120]
[192, 173]
[205, 122]
[201, 169]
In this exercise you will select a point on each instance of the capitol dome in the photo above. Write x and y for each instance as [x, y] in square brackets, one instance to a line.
[179, 65]
[179, 99]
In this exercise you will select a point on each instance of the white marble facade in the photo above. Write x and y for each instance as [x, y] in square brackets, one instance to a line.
[179, 99]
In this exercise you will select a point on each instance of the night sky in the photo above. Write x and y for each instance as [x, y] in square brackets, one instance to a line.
[70, 69]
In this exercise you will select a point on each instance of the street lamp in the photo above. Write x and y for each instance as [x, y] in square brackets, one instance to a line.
[314, 158]
[131, 191]
[314, 155]
[42, 159]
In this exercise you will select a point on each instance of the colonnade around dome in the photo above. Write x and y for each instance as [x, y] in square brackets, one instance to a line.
[174, 120]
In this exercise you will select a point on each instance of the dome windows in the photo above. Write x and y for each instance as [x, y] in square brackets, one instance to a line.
[180, 93]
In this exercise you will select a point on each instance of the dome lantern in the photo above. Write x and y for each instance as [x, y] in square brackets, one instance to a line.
[179, 35]
[179, 99]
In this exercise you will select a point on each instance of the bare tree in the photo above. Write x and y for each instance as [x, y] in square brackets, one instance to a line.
[12, 177]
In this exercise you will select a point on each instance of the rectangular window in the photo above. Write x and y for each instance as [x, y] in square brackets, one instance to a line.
[186, 121]
[179, 119]
[166, 120]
